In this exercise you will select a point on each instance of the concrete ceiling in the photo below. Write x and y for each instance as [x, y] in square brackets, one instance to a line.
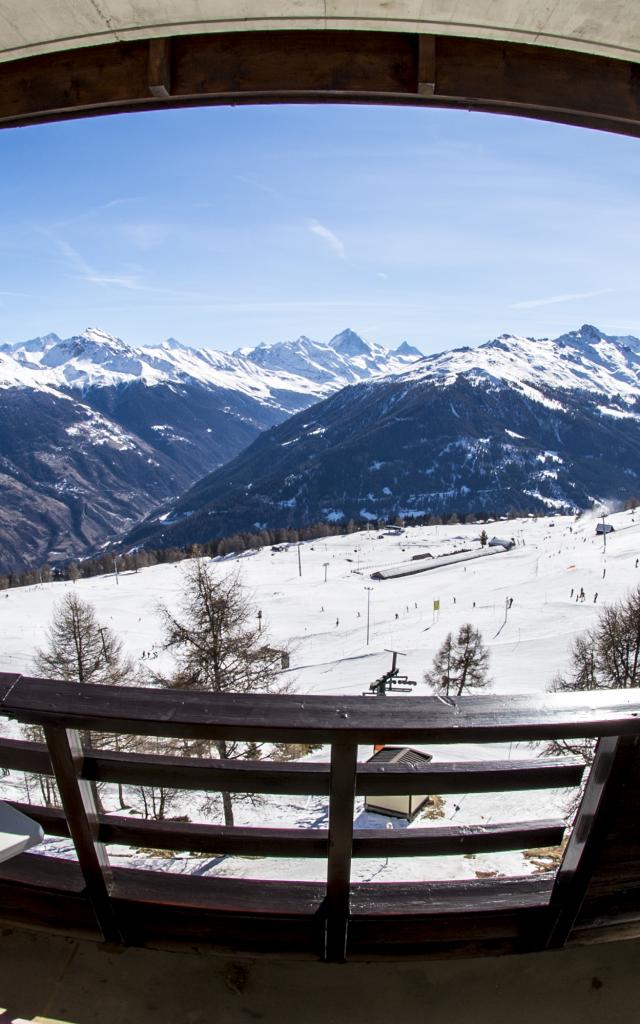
[604, 27]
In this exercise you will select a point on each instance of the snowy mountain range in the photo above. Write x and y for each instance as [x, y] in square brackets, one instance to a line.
[95, 432]
[285, 376]
[531, 424]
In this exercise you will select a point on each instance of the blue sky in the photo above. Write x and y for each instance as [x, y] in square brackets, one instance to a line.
[234, 226]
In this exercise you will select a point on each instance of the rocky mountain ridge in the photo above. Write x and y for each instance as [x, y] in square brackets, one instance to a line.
[95, 432]
[284, 376]
[517, 423]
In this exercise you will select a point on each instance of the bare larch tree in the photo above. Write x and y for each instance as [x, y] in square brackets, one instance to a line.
[461, 663]
[220, 646]
[79, 650]
[605, 657]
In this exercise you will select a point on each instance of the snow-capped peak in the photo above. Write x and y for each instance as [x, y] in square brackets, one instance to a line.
[405, 349]
[97, 336]
[34, 344]
[348, 343]
[294, 373]
[583, 360]
[172, 344]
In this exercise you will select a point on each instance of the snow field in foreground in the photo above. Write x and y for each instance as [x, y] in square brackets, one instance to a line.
[326, 623]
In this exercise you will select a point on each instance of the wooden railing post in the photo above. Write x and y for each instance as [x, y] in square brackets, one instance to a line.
[610, 763]
[79, 804]
[344, 755]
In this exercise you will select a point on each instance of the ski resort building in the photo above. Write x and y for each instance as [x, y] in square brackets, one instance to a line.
[399, 806]
[602, 528]
[415, 567]
[84, 942]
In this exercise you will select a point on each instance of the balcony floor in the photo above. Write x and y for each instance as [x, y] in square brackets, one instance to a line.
[46, 977]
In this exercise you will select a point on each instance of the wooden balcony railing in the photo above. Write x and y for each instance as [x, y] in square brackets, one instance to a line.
[594, 894]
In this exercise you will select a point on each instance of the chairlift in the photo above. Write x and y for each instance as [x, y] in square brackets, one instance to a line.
[391, 681]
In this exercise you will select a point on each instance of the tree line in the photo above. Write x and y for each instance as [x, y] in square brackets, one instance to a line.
[134, 560]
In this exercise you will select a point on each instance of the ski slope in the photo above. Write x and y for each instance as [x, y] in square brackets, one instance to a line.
[325, 624]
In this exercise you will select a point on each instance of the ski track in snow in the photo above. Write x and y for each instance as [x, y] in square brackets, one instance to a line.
[334, 659]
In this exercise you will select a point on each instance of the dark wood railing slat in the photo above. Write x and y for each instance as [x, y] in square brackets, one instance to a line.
[78, 801]
[7, 682]
[301, 778]
[52, 819]
[214, 839]
[344, 759]
[294, 718]
[283, 842]
[549, 913]
[457, 839]
[198, 838]
[184, 911]
[440, 777]
[25, 756]
[231, 776]
[611, 762]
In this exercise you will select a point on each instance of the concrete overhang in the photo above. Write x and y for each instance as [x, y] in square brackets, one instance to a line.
[572, 61]
[608, 28]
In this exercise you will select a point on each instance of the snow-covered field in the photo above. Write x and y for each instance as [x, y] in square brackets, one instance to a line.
[325, 623]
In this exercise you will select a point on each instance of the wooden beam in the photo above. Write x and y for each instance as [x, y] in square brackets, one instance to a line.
[52, 819]
[426, 65]
[344, 754]
[160, 68]
[312, 842]
[457, 839]
[336, 66]
[467, 777]
[610, 765]
[213, 839]
[209, 775]
[78, 801]
[7, 681]
[25, 756]
[323, 719]
[183, 911]
[236, 776]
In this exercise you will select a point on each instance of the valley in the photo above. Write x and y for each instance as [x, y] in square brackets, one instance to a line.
[95, 432]
[325, 625]
[515, 425]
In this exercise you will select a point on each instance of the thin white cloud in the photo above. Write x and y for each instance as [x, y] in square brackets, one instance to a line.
[551, 300]
[117, 280]
[93, 211]
[85, 272]
[261, 186]
[328, 236]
